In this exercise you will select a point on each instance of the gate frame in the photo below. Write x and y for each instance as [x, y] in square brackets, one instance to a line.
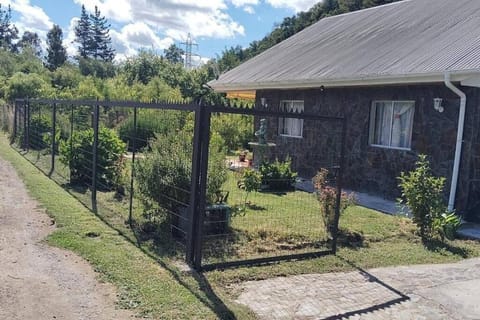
[198, 217]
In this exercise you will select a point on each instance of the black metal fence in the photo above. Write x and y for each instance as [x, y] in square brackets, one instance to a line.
[174, 192]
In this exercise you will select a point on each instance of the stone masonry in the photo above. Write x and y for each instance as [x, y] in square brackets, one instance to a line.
[374, 169]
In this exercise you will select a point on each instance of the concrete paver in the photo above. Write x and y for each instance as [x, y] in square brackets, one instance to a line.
[448, 291]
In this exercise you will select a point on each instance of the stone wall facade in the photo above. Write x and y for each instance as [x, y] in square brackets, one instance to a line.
[375, 169]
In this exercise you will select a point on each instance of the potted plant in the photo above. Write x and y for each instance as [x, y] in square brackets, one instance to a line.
[242, 155]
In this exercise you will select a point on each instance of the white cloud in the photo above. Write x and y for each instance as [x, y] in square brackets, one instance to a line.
[126, 42]
[135, 36]
[242, 3]
[176, 18]
[246, 5]
[118, 10]
[249, 9]
[295, 5]
[143, 21]
[31, 18]
[69, 37]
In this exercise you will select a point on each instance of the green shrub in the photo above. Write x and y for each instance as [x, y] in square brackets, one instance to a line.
[446, 225]
[164, 175]
[278, 175]
[422, 194]
[250, 181]
[76, 153]
[149, 123]
[39, 132]
[236, 130]
[22, 85]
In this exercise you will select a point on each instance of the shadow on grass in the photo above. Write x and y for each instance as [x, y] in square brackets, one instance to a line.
[350, 239]
[255, 207]
[437, 245]
[163, 245]
[82, 189]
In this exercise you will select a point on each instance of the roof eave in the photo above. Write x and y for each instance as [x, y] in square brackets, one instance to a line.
[437, 77]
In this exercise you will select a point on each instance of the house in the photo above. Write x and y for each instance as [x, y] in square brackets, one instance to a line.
[405, 75]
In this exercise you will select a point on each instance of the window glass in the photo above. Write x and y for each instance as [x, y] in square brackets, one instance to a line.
[391, 123]
[290, 126]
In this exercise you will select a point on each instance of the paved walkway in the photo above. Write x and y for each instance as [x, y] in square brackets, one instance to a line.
[449, 291]
[363, 199]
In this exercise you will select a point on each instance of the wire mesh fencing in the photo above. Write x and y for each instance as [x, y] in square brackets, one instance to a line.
[96, 151]
[164, 175]
[279, 196]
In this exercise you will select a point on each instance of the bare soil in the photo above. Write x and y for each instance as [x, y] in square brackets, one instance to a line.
[38, 281]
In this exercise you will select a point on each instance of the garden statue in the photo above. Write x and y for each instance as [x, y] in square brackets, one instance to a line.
[261, 147]
[261, 133]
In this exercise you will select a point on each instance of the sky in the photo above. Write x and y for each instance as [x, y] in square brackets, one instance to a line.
[156, 24]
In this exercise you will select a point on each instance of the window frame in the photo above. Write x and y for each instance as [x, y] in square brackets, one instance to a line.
[373, 112]
[282, 119]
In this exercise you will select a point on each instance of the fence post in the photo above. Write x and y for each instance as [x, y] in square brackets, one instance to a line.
[339, 187]
[96, 114]
[196, 156]
[202, 186]
[15, 116]
[132, 174]
[54, 131]
[25, 125]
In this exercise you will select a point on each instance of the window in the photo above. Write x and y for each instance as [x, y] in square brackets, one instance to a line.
[391, 124]
[290, 126]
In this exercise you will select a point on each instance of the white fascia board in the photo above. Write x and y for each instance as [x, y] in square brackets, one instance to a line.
[437, 77]
[471, 82]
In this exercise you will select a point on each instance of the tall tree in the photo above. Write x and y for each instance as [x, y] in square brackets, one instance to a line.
[83, 34]
[30, 40]
[102, 42]
[8, 31]
[56, 52]
[174, 54]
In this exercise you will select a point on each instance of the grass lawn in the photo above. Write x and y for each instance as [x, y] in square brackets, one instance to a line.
[150, 282]
[271, 224]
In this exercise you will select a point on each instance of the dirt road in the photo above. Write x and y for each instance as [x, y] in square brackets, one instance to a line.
[38, 281]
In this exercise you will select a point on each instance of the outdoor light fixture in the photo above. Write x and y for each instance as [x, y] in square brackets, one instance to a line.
[437, 104]
[263, 102]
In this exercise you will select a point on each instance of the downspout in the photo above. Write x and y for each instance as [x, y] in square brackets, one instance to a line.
[458, 149]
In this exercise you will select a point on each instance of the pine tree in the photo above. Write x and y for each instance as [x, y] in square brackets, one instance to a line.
[56, 52]
[8, 31]
[102, 42]
[83, 35]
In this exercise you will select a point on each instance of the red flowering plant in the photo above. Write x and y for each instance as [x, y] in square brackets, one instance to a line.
[327, 197]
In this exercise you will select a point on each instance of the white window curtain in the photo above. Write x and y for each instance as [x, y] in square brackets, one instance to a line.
[401, 127]
[383, 116]
[392, 123]
[291, 126]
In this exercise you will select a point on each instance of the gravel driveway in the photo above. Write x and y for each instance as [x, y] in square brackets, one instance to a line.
[38, 281]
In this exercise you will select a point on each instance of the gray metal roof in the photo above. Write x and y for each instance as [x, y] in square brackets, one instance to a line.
[407, 41]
